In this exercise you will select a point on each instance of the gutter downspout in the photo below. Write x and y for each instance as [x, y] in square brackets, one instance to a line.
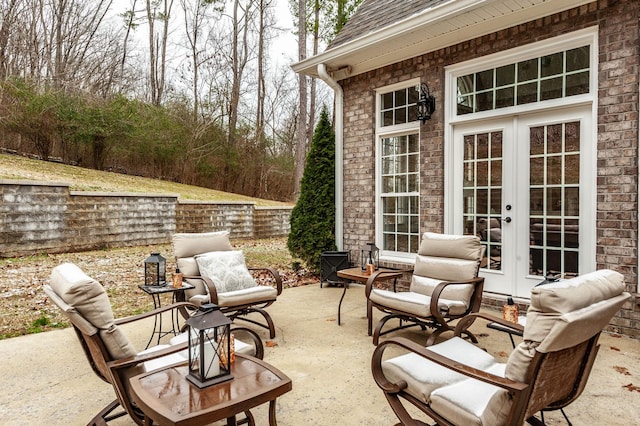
[339, 106]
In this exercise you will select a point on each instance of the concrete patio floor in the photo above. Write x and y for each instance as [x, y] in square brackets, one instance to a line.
[47, 380]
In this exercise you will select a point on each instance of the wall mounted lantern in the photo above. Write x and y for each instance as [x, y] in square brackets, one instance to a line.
[426, 104]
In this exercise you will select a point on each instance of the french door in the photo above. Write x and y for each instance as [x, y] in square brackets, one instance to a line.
[525, 184]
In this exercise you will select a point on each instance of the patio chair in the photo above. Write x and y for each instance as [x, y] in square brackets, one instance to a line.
[220, 276]
[111, 355]
[457, 383]
[444, 287]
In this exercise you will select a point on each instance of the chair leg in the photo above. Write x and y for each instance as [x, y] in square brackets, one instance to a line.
[269, 325]
[410, 323]
[401, 413]
[105, 415]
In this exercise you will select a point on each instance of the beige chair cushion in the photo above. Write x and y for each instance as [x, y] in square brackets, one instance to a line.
[85, 295]
[189, 245]
[227, 270]
[74, 316]
[445, 268]
[442, 387]
[564, 313]
[257, 294]
[455, 246]
[426, 286]
[415, 303]
[453, 258]
[472, 402]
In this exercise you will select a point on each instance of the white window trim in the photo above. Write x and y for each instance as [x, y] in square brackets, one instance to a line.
[384, 132]
[587, 36]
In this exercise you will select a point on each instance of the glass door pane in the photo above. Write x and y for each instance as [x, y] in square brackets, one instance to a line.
[482, 193]
[554, 201]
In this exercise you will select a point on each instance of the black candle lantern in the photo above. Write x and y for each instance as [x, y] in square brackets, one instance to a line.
[155, 270]
[370, 255]
[209, 347]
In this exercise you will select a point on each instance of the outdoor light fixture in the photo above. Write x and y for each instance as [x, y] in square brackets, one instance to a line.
[155, 270]
[426, 104]
[369, 258]
[209, 347]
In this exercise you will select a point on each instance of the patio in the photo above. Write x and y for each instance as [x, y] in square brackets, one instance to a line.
[47, 380]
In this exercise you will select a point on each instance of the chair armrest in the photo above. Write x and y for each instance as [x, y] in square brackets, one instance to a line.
[137, 359]
[257, 341]
[466, 322]
[208, 283]
[158, 311]
[378, 275]
[516, 388]
[435, 296]
[274, 273]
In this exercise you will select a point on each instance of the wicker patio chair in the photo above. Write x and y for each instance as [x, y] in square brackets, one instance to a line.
[457, 383]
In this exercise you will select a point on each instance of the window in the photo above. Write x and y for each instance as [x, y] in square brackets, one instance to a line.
[398, 170]
[399, 193]
[554, 76]
[398, 107]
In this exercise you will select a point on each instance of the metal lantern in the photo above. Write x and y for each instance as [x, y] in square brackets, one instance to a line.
[209, 347]
[370, 255]
[155, 270]
[426, 104]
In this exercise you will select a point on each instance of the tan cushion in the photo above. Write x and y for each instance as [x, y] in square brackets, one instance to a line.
[227, 270]
[76, 319]
[446, 268]
[189, 267]
[189, 245]
[564, 313]
[473, 402]
[423, 376]
[89, 298]
[259, 293]
[456, 246]
[426, 286]
[415, 303]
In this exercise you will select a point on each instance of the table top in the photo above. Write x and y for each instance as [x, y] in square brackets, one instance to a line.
[357, 274]
[169, 398]
[167, 288]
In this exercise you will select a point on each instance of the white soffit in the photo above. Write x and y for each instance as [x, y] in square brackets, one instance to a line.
[432, 29]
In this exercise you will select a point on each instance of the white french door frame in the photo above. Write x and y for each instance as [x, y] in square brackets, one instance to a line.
[513, 278]
[580, 107]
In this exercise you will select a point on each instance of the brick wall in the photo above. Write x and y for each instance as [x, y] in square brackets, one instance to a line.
[38, 217]
[617, 141]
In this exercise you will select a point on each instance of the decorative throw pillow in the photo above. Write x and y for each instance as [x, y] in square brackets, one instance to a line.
[227, 269]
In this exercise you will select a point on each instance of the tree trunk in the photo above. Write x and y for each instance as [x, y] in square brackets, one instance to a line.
[301, 143]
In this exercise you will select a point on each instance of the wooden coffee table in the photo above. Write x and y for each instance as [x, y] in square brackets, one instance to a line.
[357, 274]
[166, 397]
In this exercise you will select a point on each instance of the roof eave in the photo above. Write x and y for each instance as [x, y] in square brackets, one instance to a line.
[386, 39]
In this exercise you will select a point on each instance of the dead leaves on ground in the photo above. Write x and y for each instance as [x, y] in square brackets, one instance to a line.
[625, 372]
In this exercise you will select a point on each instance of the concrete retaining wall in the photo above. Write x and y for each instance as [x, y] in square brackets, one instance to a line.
[40, 217]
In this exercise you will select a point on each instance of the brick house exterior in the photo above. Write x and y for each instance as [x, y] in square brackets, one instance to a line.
[614, 242]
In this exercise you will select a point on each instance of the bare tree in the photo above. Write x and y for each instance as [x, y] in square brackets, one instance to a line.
[196, 15]
[301, 144]
[158, 46]
[8, 18]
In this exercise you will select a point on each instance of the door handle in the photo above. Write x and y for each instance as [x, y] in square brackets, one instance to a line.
[507, 219]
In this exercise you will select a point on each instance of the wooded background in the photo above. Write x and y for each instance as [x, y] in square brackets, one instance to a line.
[180, 90]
